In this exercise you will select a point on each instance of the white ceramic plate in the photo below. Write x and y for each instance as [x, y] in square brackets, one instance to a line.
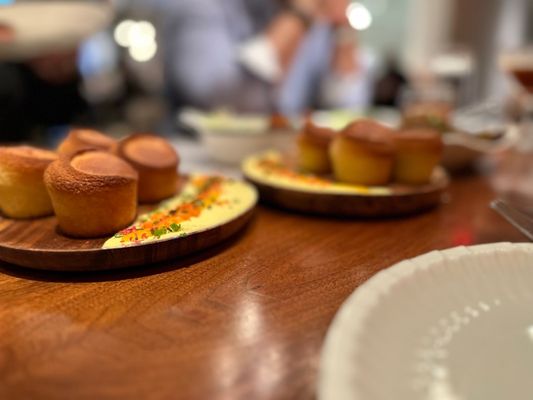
[454, 324]
[462, 149]
[41, 26]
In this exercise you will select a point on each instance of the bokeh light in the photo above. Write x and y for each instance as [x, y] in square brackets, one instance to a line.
[143, 52]
[122, 32]
[358, 16]
[138, 37]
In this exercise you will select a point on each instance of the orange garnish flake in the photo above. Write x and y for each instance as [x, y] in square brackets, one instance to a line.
[162, 221]
[276, 167]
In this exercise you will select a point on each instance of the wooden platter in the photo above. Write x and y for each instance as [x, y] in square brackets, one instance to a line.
[281, 185]
[38, 243]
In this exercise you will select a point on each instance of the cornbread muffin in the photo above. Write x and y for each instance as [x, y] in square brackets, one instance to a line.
[363, 153]
[94, 193]
[156, 161]
[313, 144]
[418, 152]
[79, 139]
[22, 190]
[434, 115]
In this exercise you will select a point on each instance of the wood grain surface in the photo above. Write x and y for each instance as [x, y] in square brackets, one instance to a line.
[244, 320]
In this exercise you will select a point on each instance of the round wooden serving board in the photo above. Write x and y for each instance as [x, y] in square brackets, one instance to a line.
[339, 200]
[39, 244]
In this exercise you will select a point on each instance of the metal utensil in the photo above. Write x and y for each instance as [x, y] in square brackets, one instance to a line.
[517, 218]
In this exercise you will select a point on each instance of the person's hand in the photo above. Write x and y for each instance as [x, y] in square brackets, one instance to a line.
[6, 34]
[334, 11]
[310, 8]
[331, 11]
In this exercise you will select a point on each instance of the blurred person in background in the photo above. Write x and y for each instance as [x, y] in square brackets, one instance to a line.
[40, 78]
[263, 55]
[38, 94]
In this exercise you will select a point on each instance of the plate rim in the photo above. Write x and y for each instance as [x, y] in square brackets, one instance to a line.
[361, 302]
[443, 183]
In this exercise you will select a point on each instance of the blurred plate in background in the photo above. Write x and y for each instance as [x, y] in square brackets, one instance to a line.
[462, 150]
[40, 26]
[281, 184]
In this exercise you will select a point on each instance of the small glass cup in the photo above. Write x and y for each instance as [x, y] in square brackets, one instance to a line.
[427, 105]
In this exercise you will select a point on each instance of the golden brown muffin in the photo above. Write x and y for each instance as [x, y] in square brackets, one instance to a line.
[22, 190]
[363, 153]
[418, 152]
[313, 144]
[434, 115]
[156, 161]
[94, 193]
[79, 139]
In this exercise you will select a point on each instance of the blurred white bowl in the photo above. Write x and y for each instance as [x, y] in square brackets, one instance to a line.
[230, 138]
[461, 150]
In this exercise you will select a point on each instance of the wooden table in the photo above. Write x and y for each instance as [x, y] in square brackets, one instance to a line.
[245, 320]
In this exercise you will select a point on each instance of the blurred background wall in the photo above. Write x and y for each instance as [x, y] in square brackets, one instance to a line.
[458, 41]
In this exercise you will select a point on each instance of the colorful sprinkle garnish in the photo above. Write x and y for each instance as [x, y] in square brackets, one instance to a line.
[204, 201]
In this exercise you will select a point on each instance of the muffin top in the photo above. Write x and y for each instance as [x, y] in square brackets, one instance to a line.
[90, 136]
[27, 157]
[321, 136]
[149, 151]
[102, 164]
[371, 134]
[30, 152]
[89, 171]
[81, 138]
[425, 138]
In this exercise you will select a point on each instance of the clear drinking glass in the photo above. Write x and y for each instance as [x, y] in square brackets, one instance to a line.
[514, 177]
[427, 104]
[428, 92]
[519, 65]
